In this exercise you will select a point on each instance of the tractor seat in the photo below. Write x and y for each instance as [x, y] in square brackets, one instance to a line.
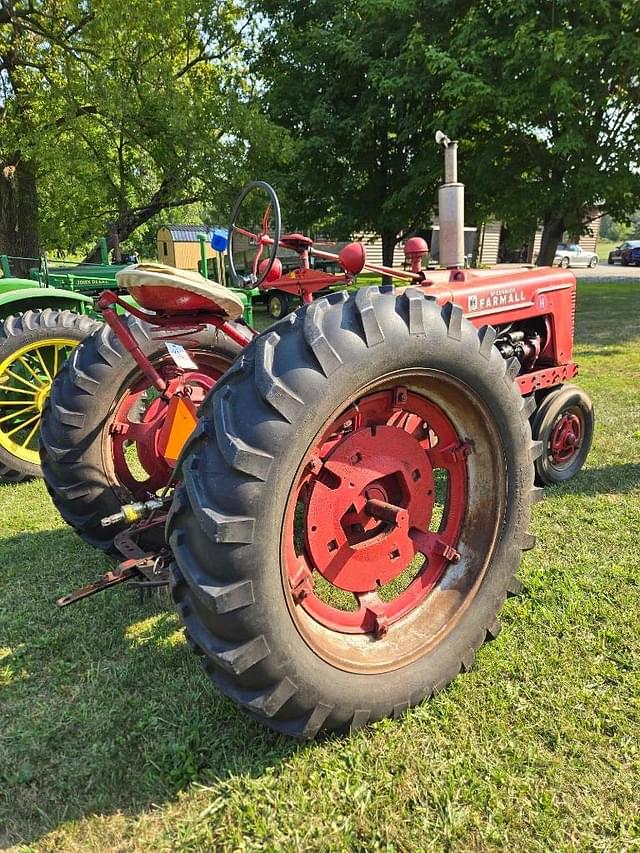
[296, 242]
[167, 290]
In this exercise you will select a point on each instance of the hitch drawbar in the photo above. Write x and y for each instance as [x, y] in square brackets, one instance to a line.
[119, 575]
[142, 568]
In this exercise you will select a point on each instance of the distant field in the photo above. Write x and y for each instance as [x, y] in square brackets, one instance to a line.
[604, 247]
[111, 738]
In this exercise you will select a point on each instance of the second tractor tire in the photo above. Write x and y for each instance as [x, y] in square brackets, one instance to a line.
[566, 415]
[277, 305]
[79, 470]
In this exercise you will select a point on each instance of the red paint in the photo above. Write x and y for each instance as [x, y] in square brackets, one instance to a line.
[304, 281]
[540, 294]
[145, 431]
[566, 438]
[180, 325]
[352, 258]
[547, 377]
[131, 345]
[365, 501]
[274, 273]
[415, 249]
[174, 300]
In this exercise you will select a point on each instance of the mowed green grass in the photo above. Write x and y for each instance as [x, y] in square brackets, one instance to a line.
[111, 738]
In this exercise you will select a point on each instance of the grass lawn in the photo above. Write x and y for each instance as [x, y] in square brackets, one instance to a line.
[111, 738]
[606, 246]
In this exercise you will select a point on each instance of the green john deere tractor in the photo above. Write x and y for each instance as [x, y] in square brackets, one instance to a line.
[42, 319]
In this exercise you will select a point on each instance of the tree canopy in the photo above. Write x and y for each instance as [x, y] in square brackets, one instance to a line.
[115, 117]
[544, 99]
[107, 120]
[549, 97]
[363, 158]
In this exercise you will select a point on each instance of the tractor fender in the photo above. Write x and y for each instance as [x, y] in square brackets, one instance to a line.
[7, 285]
[18, 295]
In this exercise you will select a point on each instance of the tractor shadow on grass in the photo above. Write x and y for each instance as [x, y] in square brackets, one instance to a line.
[609, 479]
[103, 708]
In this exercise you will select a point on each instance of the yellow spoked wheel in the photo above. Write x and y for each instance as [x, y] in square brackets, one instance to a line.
[25, 382]
[33, 347]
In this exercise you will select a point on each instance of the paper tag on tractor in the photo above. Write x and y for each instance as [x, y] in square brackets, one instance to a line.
[180, 356]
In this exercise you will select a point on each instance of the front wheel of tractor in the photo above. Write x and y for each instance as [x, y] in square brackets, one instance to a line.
[563, 423]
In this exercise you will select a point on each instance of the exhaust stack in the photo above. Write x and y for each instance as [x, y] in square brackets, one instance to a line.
[451, 207]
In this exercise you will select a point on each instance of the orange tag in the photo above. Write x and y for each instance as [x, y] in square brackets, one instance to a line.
[176, 429]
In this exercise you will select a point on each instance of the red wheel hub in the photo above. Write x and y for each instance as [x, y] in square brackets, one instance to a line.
[349, 541]
[135, 430]
[363, 508]
[565, 439]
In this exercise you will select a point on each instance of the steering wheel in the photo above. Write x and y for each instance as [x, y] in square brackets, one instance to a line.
[264, 239]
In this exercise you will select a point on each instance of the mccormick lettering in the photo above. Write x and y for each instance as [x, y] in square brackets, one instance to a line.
[497, 299]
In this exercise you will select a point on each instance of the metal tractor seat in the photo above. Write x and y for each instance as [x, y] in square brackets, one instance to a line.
[296, 242]
[167, 290]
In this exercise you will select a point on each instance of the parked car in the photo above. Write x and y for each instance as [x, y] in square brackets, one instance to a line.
[573, 255]
[625, 254]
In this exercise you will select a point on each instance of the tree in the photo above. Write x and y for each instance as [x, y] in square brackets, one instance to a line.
[544, 98]
[111, 119]
[27, 34]
[550, 94]
[363, 157]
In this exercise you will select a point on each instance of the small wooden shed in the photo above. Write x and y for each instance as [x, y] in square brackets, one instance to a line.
[178, 245]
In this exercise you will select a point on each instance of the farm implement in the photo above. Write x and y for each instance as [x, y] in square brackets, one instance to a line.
[339, 503]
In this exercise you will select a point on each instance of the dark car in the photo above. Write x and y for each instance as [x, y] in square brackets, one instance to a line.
[625, 254]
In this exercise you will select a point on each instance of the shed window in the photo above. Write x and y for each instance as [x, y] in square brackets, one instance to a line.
[164, 249]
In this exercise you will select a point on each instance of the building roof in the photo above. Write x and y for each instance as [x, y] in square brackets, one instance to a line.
[188, 233]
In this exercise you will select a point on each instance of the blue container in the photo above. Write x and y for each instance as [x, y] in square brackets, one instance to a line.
[220, 240]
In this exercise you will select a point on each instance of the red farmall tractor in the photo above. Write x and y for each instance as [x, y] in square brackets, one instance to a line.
[346, 496]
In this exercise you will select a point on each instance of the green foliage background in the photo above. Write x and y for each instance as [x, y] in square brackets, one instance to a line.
[123, 114]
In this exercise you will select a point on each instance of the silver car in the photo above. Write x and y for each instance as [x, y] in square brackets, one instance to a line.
[572, 255]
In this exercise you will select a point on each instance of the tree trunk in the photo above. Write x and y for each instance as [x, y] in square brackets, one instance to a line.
[129, 220]
[19, 214]
[552, 231]
[388, 249]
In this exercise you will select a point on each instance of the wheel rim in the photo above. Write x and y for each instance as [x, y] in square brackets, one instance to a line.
[130, 444]
[26, 377]
[276, 308]
[565, 439]
[386, 507]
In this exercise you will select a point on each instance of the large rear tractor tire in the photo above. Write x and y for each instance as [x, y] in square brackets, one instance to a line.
[33, 346]
[92, 458]
[563, 423]
[354, 505]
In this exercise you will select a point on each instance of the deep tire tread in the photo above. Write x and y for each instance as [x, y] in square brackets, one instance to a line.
[52, 322]
[271, 389]
[327, 357]
[365, 308]
[243, 459]
[237, 453]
